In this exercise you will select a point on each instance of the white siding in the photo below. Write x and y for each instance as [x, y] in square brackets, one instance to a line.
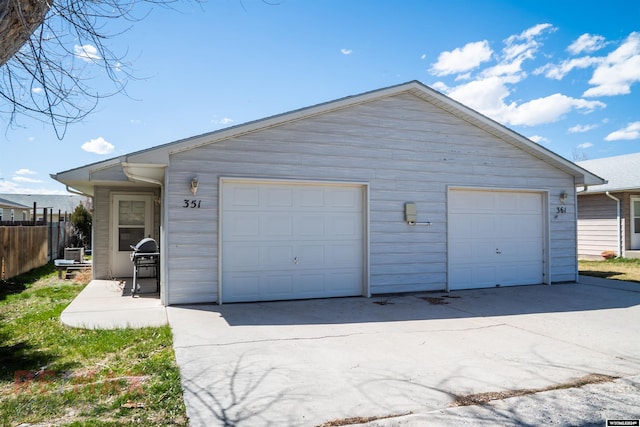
[403, 147]
[597, 225]
[102, 222]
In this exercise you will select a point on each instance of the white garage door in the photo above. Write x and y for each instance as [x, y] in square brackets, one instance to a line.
[291, 241]
[495, 239]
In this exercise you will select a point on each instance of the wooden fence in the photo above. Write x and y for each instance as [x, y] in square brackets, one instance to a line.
[25, 245]
[22, 248]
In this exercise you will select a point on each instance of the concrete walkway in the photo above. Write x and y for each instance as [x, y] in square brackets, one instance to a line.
[107, 304]
[303, 363]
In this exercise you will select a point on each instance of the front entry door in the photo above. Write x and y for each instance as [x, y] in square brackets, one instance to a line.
[131, 216]
[635, 223]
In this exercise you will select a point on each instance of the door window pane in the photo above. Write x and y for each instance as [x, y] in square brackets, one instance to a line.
[128, 237]
[131, 213]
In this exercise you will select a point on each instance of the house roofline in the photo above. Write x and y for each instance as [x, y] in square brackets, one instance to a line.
[161, 153]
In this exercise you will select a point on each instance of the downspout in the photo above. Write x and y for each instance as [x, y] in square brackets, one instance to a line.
[618, 227]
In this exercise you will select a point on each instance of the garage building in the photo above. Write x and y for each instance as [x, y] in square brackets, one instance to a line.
[400, 189]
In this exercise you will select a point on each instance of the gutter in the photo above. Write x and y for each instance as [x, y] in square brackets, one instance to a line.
[126, 167]
[619, 228]
[78, 192]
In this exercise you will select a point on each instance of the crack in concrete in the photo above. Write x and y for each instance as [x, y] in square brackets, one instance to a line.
[226, 344]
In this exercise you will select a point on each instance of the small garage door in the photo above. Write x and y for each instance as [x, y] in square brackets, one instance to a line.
[496, 238]
[291, 241]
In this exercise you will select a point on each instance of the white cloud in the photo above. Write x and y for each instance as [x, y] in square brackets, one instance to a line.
[585, 145]
[346, 51]
[548, 109]
[24, 179]
[98, 145]
[423, 56]
[489, 92]
[86, 52]
[462, 59]
[632, 131]
[582, 128]
[618, 71]
[225, 121]
[524, 42]
[532, 32]
[37, 90]
[586, 43]
[539, 139]
[25, 171]
[558, 72]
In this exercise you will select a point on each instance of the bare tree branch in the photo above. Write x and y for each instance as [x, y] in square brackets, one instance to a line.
[50, 52]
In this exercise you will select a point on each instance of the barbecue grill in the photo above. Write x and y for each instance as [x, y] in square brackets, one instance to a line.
[145, 255]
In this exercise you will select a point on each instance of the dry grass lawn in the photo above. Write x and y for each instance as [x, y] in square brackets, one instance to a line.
[616, 269]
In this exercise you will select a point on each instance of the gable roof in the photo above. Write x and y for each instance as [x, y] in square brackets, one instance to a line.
[148, 165]
[621, 172]
[9, 204]
[62, 202]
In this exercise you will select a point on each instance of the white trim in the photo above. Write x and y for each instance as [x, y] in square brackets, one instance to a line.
[160, 154]
[113, 226]
[164, 233]
[546, 226]
[632, 229]
[366, 287]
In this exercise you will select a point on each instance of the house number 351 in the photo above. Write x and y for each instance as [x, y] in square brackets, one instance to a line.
[193, 204]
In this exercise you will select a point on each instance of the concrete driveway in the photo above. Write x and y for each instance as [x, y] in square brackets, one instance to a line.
[303, 363]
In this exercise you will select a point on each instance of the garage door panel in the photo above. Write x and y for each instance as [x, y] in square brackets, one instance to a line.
[483, 226]
[310, 240]
[312, 197]
[277, 226]
[277, 197]
[460, 226]
[349, 198]
[280, 286]
[311, 225]
[243, 198]
[276, 256]
[503, 246]
[312, 255]
[244, 257]
[244, 226]
[344, 254]
[246, 286]
[340, 282]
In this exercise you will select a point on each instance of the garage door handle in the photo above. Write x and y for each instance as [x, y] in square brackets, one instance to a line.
[295, 260]
[498, 251]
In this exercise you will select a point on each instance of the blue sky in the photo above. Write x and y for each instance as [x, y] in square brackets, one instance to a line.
[563, 73]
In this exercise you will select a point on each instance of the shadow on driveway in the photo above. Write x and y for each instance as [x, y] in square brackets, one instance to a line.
[494, 302]
[303, 363]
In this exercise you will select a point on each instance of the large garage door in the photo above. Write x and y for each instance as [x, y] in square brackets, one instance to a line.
[291, 241]
[495, 239]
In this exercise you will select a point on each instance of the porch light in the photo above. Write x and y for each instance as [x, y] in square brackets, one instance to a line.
[194, 185]
[563, 197]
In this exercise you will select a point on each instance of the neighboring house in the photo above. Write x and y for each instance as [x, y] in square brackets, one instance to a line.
[57, 204]
[336, 200]
[609, 215]
[11, 211]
